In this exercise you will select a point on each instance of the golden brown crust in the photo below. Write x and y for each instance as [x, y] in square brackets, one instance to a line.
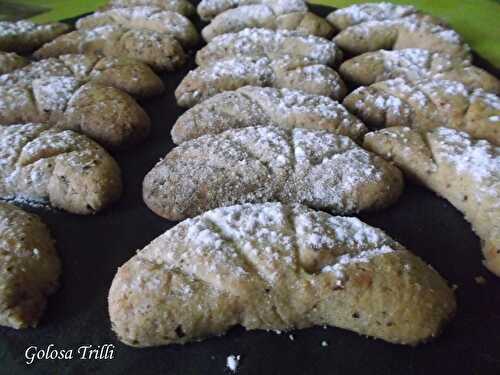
[270, 266]
[29, 267]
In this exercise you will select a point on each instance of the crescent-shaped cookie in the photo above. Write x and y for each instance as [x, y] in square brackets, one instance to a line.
[29, 267]
[208, 9]
[414, 64]
[276, 267]
[464, 171]
[428, 104]
[316, 168]
[230, 74]
[104, 113]
[262, 16]
[131, 76]
[254, 106]
[60, 167]
[253, 42]
[144, 18]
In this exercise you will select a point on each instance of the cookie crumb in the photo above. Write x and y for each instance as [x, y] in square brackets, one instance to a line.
[324, 343]
[291, 337]
[232, 362]
[480, 280]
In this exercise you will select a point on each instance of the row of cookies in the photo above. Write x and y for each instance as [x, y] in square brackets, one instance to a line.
[271, 265]
[226, 156]
[91, 93]
[427, 83]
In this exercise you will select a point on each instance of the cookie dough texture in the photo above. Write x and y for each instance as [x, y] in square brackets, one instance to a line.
[428, 104]
[208, 9]
[63, 168]
[10, 61]
[291, 72]
[276, 267]
[464, 171]
[131, 76]
[316, 168]
[26, 36]
[104, 113]
[183, 7]
[408, 32]
[358, 13]
[29, 267]
[414, 64]
[254, 106]
[262, 16]
[144, 18]
[159, 50]
[258, 42]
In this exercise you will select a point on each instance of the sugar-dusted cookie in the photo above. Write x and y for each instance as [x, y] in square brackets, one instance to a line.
[254, 106]
[464, 171]
[129, 75]
[144, 18]
[183, 7]
[255, 42]
[258, 164]
[25, 36]
[29, 267]
[263, 16]
[104, 113]
[276, 267]
[208, 9]
[428, 104]
[414, 64]
[159, 50]
[407, 32]
[291, 72]
[60, 167]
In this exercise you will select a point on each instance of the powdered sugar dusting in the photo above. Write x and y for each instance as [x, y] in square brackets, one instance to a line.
[264, 42]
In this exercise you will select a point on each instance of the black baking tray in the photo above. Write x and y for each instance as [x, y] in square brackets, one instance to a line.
[93, 247]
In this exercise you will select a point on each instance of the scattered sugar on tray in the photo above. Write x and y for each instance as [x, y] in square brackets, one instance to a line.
[232, 362]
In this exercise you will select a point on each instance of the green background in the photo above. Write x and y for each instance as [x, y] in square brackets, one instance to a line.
[476, 20]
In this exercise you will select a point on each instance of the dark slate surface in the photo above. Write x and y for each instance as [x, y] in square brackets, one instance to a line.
[93, 247]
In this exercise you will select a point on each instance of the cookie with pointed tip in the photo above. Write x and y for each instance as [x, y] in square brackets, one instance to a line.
[161, 51]
[60, 167]
[29, 267]
[427, 104]
[253, 42]
[414, 64]
[104, 113]
[25, 36]
[464, 171]
[262, 16]
[131, 76]
[10, 61]
[408, 32]
[230, 74]
[144, 18]
[358, 13]
[276, 267]
[183, 7]
[208, 9]
[264, 164]
[254, 106]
